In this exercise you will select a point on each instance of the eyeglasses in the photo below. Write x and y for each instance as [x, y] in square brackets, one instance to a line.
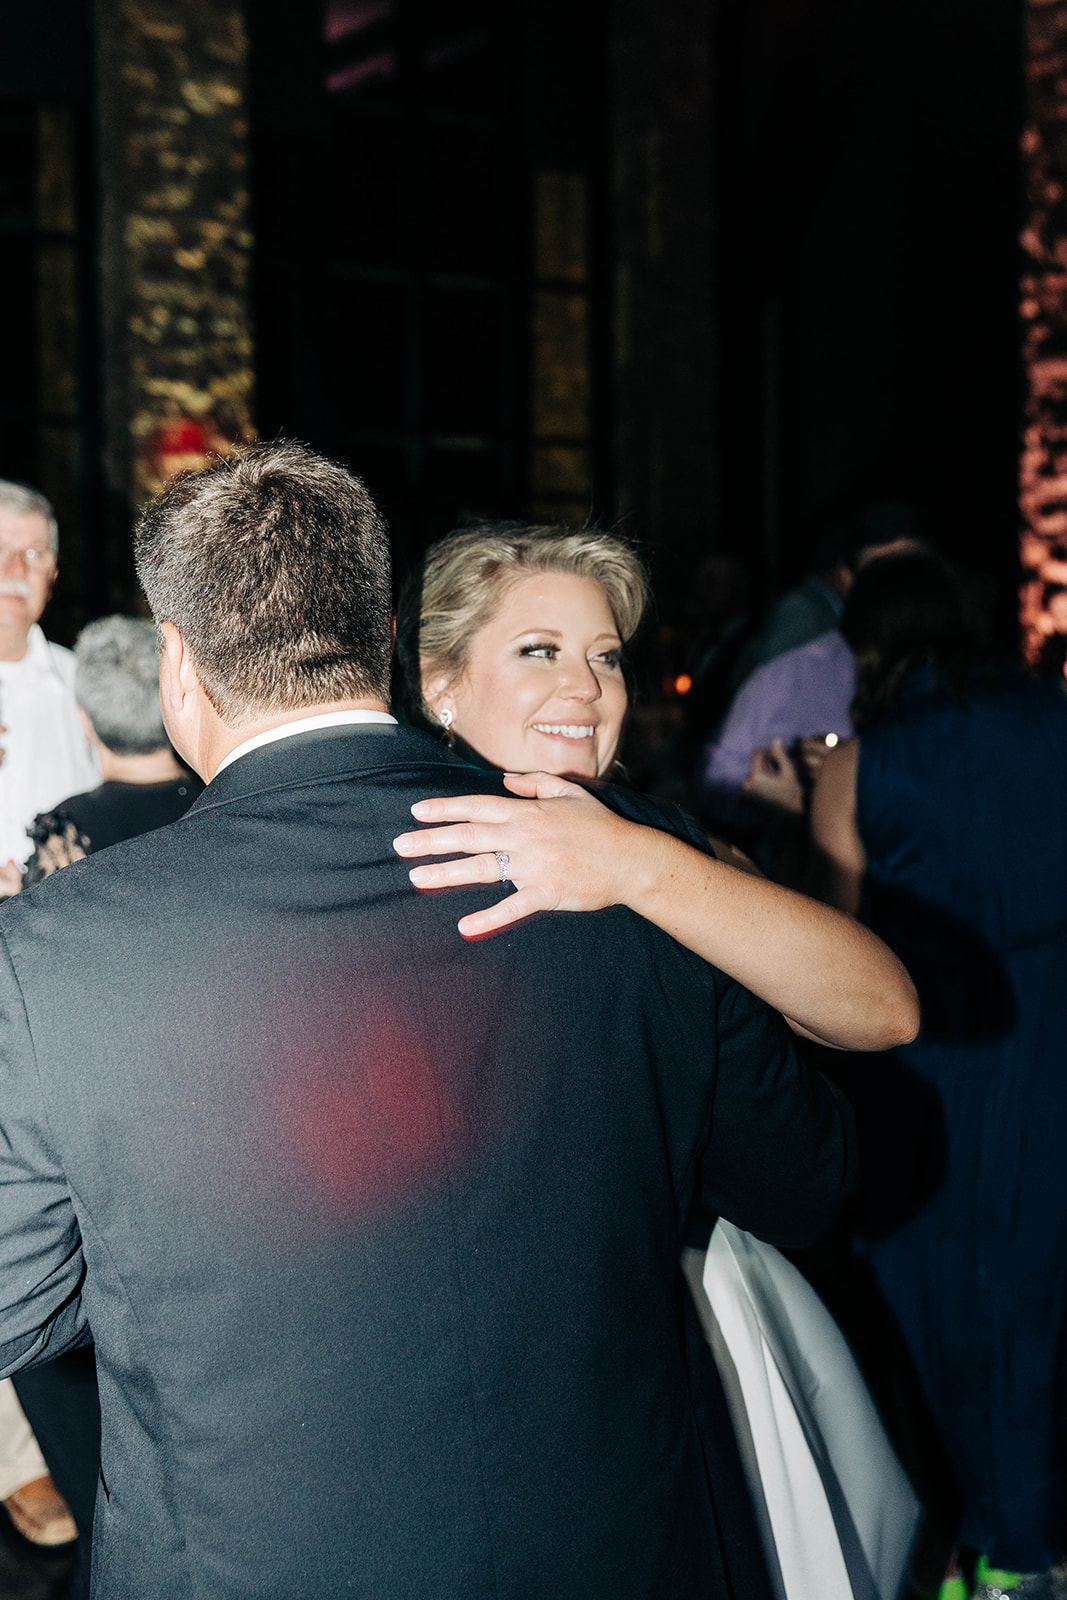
[36, 559]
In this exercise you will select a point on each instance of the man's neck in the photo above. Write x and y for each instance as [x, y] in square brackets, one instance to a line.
[156, 766]
[14, 643]
[223, 738]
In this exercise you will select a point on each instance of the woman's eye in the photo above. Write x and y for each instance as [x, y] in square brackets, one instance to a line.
[544, 652]
[610, 658]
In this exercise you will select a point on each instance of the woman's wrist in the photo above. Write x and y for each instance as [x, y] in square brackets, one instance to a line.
[649, 870]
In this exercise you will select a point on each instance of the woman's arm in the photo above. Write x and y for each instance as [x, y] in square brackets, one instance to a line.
[839, 857]
[566, 852]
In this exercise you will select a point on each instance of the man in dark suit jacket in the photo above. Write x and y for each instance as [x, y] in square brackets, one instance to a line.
[350, 1204]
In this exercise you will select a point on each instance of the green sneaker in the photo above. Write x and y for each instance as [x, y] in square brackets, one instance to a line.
[996, 1577]
[993, 1583]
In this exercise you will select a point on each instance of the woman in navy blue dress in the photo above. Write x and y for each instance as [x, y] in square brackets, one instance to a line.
[944, 825]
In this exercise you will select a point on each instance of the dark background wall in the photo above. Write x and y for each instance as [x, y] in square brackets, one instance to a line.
[50, 429]
[425, 182]
[728, 271]
[867, 216]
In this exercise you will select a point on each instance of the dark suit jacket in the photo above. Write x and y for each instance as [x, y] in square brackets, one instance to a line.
[377, 1231]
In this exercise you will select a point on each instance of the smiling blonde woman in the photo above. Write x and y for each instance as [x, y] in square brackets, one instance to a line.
[510, 641]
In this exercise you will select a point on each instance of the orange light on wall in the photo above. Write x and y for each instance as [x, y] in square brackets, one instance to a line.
[683, 683]
[1043, 312]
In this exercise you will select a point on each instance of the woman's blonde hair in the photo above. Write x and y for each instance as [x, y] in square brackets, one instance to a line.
[463, 576]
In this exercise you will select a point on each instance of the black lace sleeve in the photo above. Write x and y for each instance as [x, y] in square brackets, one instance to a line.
[48, 825]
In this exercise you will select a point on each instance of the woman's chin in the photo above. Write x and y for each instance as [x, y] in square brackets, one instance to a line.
[581, 766]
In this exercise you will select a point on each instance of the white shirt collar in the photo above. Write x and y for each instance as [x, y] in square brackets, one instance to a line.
[324, 719]
[38, 657]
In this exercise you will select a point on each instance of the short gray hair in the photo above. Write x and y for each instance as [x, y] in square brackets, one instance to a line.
[27, 502]
[116, 683]
[273, 565]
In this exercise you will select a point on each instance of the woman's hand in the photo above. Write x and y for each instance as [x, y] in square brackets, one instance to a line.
[772, 779]
[829, 976]
[566, 851]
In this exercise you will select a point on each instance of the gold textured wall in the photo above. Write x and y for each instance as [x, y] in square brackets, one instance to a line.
[176, 244]
[560, 381]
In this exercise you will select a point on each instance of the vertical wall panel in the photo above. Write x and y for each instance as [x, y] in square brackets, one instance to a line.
[176, 241]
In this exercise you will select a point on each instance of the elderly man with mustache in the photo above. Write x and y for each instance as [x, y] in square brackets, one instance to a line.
[45, 754]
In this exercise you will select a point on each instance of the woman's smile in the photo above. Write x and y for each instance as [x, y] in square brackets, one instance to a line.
[564, 730]
[543, 687]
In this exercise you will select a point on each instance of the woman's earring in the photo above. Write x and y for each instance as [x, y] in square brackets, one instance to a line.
[445, 717]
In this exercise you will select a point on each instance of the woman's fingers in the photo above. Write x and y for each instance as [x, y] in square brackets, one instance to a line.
[542, 786]
[461, 837]
[496, 808]
[476, 822]
[566, 851]
[523, 903]
[466, 808]
[480, 869]
[447, 874]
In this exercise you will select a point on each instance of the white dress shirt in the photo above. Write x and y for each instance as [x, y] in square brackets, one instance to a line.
[45, 754]
[324, 719]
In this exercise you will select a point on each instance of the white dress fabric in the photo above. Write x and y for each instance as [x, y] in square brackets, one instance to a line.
[836, 1512]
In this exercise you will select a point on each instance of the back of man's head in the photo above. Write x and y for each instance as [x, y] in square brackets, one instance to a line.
[116, 683]
[273, 565]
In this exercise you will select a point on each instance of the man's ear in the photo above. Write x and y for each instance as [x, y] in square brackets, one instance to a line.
[185, 706]
[176, 671]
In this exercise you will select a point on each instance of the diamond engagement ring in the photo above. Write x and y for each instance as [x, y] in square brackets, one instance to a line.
[502, 860]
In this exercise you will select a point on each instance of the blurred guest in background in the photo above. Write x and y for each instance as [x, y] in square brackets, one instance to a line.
[45, 753]
[44, 756]
[145, 786]
[718, 625]
[817, 602]
[29, 1496]
[804, 613]
[943, 824]
[802, 690]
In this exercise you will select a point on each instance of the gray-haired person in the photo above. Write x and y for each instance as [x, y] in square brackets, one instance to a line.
[43, 756]
[45, 753]
[116, 684]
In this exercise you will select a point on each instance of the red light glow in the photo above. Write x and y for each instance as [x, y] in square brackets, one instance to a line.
[368, 1124]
